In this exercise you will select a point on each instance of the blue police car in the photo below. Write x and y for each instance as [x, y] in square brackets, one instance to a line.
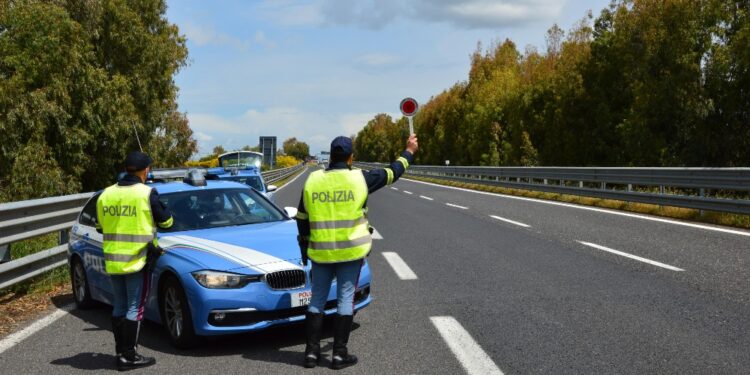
[231, 265]
[243, 167]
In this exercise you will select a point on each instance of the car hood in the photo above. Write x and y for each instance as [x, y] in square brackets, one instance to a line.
[258, 248]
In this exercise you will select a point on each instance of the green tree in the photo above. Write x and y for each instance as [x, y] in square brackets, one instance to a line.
[78, 80]
[297, 149]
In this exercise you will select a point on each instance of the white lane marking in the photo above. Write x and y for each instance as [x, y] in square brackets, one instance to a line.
[376, 235]
[457, 206]
[294, 179]
[393, 188]
[631, 256]
[510, 221]
[35, 327]
[626, 214]
[474, 360]
[402, 269]
[427, 198]
[408, 192]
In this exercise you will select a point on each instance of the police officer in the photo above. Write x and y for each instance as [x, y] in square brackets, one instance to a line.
[128, 213]
[335, 235]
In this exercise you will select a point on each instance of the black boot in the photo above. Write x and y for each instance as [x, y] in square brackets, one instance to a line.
[341, 357]
[117, 324]
[130, 358]
[313, 326]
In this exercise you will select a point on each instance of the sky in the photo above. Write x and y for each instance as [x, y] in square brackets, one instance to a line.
[317, 69]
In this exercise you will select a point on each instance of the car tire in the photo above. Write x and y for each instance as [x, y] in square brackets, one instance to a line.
[80, 283]
[175, 314]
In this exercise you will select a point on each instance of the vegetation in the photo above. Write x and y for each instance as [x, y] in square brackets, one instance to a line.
[647, 83]
[78, 80]
[297, 149]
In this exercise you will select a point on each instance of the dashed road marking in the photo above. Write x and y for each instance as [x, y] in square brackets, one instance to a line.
[35, 327]
[399, 266]
[408, 192]
[510, 221]
[376, 235]
[631, 256]
[427, 198]
[393, 188]
[471, 356]
[602, 210]
[457, 206]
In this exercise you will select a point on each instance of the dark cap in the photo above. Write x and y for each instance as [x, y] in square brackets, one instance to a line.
[137, 161]
[341, 146]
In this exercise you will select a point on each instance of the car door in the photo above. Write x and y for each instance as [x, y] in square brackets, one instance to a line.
[87, 242]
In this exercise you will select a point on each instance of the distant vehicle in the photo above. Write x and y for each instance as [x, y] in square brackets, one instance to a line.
[243, 167]
[231, 264]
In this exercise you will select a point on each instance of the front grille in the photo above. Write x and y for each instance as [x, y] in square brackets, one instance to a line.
[289, 279]
[245, 318]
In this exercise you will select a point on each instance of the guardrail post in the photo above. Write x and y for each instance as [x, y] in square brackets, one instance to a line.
[545, 181]
[580, 184]
[702, 193]
[5, 253]
[630, 187]
[63, 237]
[604, 185]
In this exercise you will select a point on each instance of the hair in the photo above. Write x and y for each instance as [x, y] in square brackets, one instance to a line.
[339, 158]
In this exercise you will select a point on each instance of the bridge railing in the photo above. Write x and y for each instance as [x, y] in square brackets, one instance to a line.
[28, 219]
[694, 188]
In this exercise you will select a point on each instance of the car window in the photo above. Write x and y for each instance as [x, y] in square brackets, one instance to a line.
[212, 208]
[88, 215]
[253, 181]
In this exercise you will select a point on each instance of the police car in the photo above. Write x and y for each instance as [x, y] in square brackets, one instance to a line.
[243, 167]
[231, 264]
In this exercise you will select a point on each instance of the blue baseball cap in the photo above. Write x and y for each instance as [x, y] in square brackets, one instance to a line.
[137, 161]
[341, 146]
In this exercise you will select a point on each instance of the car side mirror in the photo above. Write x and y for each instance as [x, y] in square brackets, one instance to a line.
[291, 211]
[271, 188]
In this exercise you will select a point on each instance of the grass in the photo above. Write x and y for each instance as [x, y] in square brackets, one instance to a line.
[710, 217]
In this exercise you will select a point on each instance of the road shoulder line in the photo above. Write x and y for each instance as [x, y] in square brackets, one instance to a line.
[15, 338]
[612, 212]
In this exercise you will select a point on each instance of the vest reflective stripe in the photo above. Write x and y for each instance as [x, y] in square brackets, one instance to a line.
[124, 213]
[389, 176]
[128, 237]
[339, 231]
[403, 161]
[336, 245]
[338, 224]
[125, 258]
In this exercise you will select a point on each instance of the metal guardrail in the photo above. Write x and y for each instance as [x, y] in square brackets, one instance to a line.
[674, 185]
[27, 219]
[281, 174]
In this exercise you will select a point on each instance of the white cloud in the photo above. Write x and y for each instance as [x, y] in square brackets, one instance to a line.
[261, 38]
[315, 129]
[378, 60]
[206, 35]
[376, 14]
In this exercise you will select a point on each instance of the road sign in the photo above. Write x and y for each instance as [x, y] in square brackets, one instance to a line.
[409, 108]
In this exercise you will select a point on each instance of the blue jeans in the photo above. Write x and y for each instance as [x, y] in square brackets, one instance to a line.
[347, 277]
[129, 293]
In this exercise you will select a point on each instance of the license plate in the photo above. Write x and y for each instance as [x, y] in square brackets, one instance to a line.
[301, 298]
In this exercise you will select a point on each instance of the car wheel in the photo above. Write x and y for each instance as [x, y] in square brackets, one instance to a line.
[80, 284]
[175, 314]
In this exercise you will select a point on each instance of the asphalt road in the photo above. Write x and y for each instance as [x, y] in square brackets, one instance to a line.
[524, 293]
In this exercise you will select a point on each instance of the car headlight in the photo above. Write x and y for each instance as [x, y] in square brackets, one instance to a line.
[223, 280]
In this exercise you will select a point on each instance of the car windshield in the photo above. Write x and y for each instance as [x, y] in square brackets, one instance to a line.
[240, 159]
[213, 208]
[252, 181]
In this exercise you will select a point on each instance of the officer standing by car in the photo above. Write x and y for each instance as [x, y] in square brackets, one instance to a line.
[335, 235]
[128, 213]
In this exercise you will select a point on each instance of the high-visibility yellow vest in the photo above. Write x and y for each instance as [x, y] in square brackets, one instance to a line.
[124, 213]
[339, 231]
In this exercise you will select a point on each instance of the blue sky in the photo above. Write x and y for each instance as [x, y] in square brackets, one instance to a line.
[316, 69]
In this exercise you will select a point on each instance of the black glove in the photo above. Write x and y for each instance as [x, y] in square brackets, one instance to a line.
[303, 243]
[153, 252]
